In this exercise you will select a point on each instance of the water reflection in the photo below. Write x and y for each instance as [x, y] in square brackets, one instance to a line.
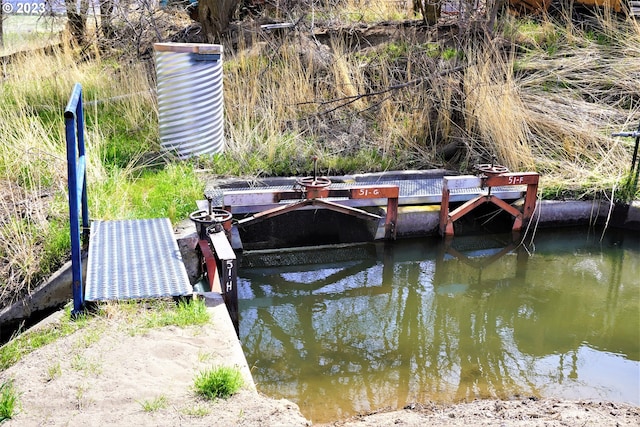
[424, 320]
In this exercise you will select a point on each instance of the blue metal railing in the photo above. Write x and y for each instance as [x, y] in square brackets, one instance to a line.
[76, 172]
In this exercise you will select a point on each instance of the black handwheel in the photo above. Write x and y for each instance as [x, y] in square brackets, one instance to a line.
[491, 169]
[314, 182]
[216, 216]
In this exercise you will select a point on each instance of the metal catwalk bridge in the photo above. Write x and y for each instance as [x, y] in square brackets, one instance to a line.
[416, 188]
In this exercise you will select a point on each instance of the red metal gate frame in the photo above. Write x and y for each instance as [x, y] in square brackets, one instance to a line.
[530, 179]
[218, 264]
[314, 196]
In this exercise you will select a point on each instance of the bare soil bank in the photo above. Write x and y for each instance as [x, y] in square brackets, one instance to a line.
[526, 412]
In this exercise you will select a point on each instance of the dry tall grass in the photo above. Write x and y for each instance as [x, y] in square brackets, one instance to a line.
[576, 99]
[33, 165]
[354, 11]
[549, 102]
[495, 112]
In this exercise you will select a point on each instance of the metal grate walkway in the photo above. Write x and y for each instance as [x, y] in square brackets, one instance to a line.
[414, 190]
[134, 259]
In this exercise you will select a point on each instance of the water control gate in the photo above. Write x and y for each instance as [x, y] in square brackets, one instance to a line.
[490, 176]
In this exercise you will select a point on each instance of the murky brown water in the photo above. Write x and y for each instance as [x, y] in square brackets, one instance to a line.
[382, 326]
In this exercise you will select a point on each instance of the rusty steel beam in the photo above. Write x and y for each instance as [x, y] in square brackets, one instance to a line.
[467, 207]
[530, 202]
[511, 178]
[208, 265]
[374, 192]
[347, 210]
[391, 219]
[270, 213]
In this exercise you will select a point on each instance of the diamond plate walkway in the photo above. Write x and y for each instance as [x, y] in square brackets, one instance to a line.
[416, 188]
[134, 259]
[128, 259]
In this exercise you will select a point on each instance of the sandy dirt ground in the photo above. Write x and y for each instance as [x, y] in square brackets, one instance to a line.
[107, 373]
[544, 412]
[104, 375]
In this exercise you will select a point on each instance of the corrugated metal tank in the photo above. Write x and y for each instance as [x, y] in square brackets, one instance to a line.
[190, 98]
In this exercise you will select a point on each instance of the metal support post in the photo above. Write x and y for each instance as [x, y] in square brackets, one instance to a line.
[217, 258]
[227, 268]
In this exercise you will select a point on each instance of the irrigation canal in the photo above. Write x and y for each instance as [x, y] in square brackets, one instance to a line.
[380, 325]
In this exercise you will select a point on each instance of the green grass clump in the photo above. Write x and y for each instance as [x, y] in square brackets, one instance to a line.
[629, 188]
[187, 313]
[54, 371]
[8, 401]
[218, 382]
[196, 411]
[155, 404]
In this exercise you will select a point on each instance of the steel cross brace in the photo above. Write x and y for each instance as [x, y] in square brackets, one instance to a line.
[530, 179]
[314, 197]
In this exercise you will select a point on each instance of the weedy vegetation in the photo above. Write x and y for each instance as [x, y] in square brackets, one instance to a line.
[218, 382]
[23, 344]
[139, 316]
[88, 366]
[197, 411]
[8, 401]
[155, 404]
[187, 313]
[54, 371]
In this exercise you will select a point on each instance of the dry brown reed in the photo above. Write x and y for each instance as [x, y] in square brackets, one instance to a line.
[495, 114]
[575, 100]
[353, 11]
[554, 114]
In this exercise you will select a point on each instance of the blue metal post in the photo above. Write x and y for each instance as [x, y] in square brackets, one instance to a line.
[76, 172]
